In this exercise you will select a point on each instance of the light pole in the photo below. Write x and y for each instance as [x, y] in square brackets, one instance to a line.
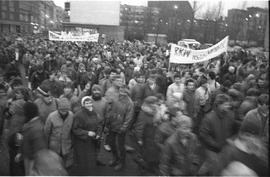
[175, 22]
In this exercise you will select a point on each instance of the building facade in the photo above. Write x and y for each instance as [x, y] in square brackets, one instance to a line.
[27, 16]
[248, 25]
[132, 18]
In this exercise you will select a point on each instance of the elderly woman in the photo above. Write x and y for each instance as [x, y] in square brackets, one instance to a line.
[86, 130]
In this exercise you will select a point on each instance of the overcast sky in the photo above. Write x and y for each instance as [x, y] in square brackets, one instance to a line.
[205, 4]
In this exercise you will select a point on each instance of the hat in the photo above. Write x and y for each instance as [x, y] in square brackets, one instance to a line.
[235, 94]
[64, 104]
[250, 126]
[85, 98]
[151, 100]
[43, 90]
[96, 87]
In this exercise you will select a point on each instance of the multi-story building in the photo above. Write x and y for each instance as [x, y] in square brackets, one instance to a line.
[247, 25]
[27, 16]
[133, 20]
[256, 21]
[173, 19]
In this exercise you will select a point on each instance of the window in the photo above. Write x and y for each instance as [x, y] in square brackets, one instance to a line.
[3, 15]
[11, 16]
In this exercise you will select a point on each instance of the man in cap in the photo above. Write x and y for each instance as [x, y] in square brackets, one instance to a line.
[120, 114]
[260, 117]
[58, 131]
[45, 102]
[216, 127]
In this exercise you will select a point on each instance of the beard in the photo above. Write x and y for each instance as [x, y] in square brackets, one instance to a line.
[96, 97]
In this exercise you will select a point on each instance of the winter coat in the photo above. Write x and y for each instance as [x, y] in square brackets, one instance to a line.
[136, 94]
[85, 147]
[37, 78]
[45, 108]
[146, 116]
[215, 129]
[145, 131]
[262, 124]
[58, 132]
[120, 114]
[17, 119]
[164, 131]
[189, 99]
[180, 159]
[248, 150]
[100, 107]
[48, 163]
[34, 138]
[149, 92]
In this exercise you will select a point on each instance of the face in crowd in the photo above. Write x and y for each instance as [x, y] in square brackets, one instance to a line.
[88, 104]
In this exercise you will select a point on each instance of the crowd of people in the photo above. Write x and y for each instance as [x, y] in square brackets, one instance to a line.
[62, 102]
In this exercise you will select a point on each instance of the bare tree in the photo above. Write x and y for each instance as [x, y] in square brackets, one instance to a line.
[195, 7]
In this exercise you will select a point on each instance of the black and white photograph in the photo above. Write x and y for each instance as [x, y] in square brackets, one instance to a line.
[134, 88]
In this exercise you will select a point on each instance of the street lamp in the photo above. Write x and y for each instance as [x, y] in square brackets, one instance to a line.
[257, 15]
[175, 7]
[47, 16]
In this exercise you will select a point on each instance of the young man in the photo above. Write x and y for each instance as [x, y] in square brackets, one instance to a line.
[120, 116]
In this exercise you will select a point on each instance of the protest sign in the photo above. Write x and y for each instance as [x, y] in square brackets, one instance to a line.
[70, 37]
[182, 55]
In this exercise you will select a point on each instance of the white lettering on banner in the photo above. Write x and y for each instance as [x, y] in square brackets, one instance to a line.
[184, 55]
[63, 37]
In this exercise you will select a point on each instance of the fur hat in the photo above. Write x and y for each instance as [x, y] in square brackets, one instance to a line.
[43, 90]
[64, 104]
[96, 87]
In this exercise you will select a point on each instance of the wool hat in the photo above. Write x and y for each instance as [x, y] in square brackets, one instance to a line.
[150, 100]
[85, 98]
[43, 90]
[64, 104]
[96, 87]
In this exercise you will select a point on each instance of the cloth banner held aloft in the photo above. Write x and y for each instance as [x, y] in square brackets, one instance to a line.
[182, 55]
[62, 37]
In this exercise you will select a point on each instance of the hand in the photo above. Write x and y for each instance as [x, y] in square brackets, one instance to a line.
[18, 158]
[91, 134]
[140, 143]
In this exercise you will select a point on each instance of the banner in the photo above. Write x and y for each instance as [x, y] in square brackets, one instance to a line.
[70, 37]
[182, 55]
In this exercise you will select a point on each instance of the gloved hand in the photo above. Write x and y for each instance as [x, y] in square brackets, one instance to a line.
[91, 134]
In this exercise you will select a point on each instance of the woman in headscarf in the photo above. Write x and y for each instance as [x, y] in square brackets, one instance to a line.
[85, 130]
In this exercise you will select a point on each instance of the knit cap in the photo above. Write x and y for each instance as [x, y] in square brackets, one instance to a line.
[85, 98]
[151, 100]
[43, 90]
[96, 87]
[64, 104]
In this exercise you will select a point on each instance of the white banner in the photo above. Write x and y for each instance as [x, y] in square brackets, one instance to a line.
[69, 37]
[184, 55]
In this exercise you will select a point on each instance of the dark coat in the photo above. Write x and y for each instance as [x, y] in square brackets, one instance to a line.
[179, 159]
[120, 114]
[189, 98]
[85, 147]
[215, 130]
[33, 138]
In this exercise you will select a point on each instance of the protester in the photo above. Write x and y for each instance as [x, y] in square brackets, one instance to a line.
[216, 127]
[179, 156]
[45, 102]
[120, 116]
[71, 70]
[58, 132]
[85, 130]
[34, 138]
